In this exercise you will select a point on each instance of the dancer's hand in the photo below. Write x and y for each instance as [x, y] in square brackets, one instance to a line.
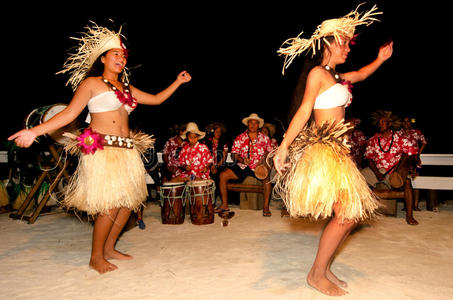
[184, 77]
[280, 160]
[386, 51]
[23, 138]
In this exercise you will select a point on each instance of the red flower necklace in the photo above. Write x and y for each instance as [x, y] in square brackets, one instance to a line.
[124, 97]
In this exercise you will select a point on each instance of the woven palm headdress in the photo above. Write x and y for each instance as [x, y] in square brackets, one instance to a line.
[92, 43]
[338, 28]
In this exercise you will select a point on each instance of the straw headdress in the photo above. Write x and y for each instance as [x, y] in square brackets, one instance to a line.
[94, 42]
[338, 28]
[376, 116]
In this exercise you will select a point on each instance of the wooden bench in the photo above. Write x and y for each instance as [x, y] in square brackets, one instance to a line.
[389, 206]
[252, 193]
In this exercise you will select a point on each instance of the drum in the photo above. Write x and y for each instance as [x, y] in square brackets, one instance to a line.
[201, 195]
[45, 113]
[173, 202]
[399, 175]
[261, 171]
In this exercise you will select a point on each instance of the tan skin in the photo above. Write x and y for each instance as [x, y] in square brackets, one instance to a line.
[319, 80]
[107, 227]
[228, 174]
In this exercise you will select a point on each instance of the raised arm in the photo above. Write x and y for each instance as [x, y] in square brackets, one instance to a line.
[150, 99]
[24, 138]
[385, 52]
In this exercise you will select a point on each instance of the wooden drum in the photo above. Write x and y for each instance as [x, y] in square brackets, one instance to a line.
[173, 202]
[201, 195]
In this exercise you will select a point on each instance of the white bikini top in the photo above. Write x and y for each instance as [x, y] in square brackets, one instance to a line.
[336, 95]
[106, 101]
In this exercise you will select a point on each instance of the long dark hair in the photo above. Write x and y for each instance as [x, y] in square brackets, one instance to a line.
[310, 61]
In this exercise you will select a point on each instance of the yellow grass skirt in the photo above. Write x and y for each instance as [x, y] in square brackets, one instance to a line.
[322, 174]
[109, 178]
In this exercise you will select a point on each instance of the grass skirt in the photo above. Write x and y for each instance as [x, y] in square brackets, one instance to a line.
[322, 174]
[109, 178]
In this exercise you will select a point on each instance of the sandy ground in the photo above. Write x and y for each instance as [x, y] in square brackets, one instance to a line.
[253, 258]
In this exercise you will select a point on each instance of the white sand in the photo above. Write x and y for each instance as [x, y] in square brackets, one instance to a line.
[253, 258]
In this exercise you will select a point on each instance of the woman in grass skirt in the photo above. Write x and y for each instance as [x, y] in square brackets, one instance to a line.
[316, 176]
[110, 178]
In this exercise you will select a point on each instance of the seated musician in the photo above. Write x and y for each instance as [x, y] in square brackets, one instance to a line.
[269, 130]
[414, 135]
[249, 149]
[195, 159]
[384, 152]
[357, 140]
[171, 151]
[418, 139]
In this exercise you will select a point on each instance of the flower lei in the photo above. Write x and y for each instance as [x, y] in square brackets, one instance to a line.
[124, 97]
[90, 141]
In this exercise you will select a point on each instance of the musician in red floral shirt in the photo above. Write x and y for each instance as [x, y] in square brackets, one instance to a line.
[384, 152]
[195, 158]
[358, 141]
[171, 151]
[249, 149]
[414, 135]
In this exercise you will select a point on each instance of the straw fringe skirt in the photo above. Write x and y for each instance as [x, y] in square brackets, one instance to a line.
[110, 178]
[322, 175]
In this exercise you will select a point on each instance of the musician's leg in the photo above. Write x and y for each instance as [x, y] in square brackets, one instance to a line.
[109, 249]
[224, 177]
[409, 198]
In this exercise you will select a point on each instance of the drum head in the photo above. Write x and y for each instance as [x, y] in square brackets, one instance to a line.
[200, 182]
[57, 135]
[395, 180]
[172, 184]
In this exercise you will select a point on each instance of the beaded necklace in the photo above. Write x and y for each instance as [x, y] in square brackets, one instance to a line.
[380, 147]
[124, 97]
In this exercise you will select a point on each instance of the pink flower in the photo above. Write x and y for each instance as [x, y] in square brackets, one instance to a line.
[90, 141]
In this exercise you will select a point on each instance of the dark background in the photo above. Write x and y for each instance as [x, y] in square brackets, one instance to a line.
[229, 48]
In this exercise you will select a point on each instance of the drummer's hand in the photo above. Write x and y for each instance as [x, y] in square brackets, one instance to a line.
[184, 77]
[23, 138]
[280, 159]
[188, 168]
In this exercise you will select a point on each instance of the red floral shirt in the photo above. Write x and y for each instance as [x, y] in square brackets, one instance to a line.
[198, 158]
[414, 135]
[386, 152]
[215, 145]
[254, 150]
[357, 140]
[171, 149]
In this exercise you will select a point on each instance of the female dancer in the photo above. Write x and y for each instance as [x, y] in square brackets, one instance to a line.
[109, 181]
[316, 177]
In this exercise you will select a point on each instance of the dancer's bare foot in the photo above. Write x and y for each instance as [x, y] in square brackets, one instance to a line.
[324, 285]
[101, 265]
[332, 277]
[115, 254]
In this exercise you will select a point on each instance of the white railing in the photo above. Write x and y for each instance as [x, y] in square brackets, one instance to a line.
[434, 182]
